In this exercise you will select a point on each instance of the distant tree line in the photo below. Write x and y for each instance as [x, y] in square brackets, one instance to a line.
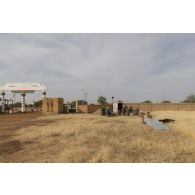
[189, 99]
[35, 104]
[102, 100]
[147, 102]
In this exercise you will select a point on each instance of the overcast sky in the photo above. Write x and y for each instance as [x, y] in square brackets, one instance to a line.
[130, 67]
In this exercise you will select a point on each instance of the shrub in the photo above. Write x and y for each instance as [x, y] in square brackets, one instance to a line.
[147, 102]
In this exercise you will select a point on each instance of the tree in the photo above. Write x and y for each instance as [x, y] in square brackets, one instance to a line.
[165, 102]
[147, 102]
[38, 103]
[102, 100]
[190, 99]
[18, 104]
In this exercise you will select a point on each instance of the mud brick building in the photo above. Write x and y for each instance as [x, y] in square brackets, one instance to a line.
[53, 105]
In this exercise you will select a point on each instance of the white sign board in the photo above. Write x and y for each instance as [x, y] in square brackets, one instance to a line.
[23, 87]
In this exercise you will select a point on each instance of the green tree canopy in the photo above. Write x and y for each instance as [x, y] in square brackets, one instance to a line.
[38, 103]
[190, 99]
[147, 102]
[102, 100]
[18, 104]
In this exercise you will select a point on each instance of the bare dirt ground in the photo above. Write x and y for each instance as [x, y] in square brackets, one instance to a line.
[93, 138]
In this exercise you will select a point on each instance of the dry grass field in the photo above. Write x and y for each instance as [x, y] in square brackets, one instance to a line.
[185, 121]
[94, 138]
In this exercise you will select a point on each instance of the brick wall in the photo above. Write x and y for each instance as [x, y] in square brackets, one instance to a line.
[160, 107]
[82, 108]
[91, 108]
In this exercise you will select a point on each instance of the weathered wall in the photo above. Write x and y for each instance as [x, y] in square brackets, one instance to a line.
[82, 108]
[91, 108]
[53, 105]
[56, 105]
[165, 106]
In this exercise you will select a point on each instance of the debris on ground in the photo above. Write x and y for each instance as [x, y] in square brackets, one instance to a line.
[156, 124]
[167, 120]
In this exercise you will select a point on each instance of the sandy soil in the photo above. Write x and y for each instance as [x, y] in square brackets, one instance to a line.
[91, 138]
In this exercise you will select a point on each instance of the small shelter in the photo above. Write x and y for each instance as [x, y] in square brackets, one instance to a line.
[53, 105]
[117, 106]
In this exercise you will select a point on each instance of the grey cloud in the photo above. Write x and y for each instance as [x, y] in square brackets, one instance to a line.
[127, 66]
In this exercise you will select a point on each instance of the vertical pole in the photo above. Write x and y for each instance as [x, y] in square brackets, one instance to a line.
[44, 94]
[77, 107]
[14, 101]
[113, 104]
[112, 100]
[3, 101]
[23, 102]
[85, 96]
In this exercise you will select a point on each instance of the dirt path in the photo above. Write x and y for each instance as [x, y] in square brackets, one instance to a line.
[9, 126]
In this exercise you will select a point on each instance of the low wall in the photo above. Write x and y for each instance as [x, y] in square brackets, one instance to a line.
[82, 108]
[91, 108]
[142, 106]
[161, 107]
